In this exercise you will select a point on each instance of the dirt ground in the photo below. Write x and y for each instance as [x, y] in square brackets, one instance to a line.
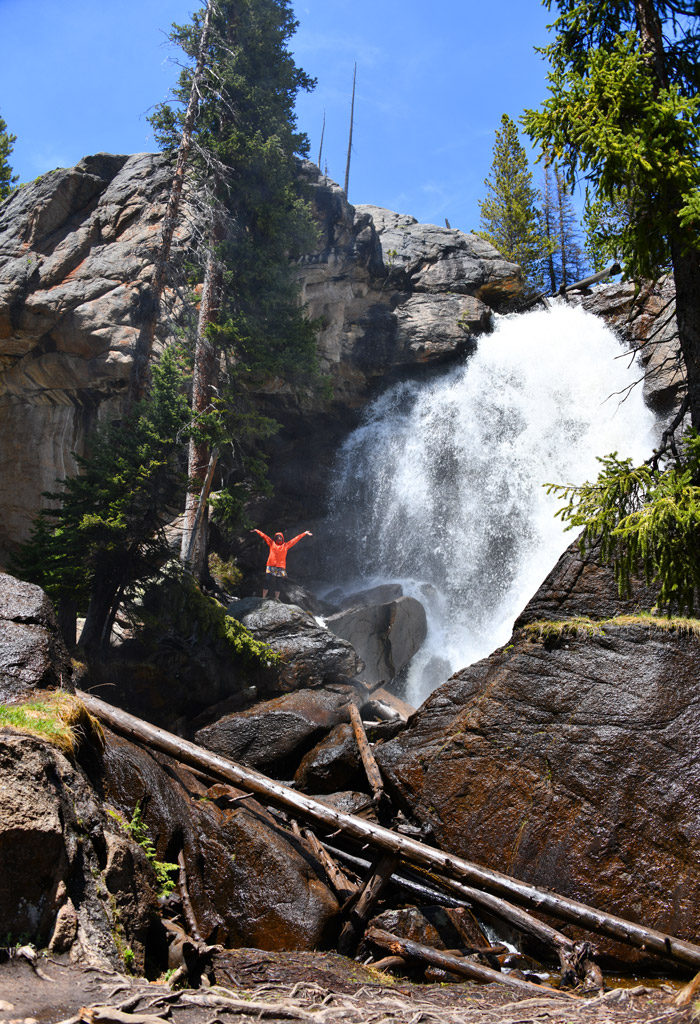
[320, 987]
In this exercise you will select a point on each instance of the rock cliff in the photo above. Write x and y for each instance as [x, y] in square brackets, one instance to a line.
[76, 258]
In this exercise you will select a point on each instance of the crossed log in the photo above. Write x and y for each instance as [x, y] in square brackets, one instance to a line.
[481, 880]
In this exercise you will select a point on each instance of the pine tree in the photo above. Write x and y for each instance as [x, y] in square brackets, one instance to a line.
[105, 529]
[245, 141]
[7, 179]
[565, 262]
[510, 215]
[624, 111]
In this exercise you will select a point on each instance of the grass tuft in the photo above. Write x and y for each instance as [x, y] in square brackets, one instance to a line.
[549, 631]
[60, 718]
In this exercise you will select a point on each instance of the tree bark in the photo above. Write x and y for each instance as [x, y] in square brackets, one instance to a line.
[104, 591]
[542, 900]
[204, 379]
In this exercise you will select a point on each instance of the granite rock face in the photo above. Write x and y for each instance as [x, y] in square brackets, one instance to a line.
[569, 764]
[76, 259]
[32, 653]
[646, 318]
[76, 255]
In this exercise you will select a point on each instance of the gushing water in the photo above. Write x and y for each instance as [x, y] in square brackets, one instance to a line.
[441, 488]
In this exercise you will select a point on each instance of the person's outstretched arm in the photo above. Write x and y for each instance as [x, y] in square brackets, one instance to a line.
[295, 540]
[268, 540]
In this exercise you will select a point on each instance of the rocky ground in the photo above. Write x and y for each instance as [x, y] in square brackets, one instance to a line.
[319, 987]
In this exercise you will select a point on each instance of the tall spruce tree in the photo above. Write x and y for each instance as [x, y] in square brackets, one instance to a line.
[244, 144]
[510, 214]
[7, 179]
[624, 112]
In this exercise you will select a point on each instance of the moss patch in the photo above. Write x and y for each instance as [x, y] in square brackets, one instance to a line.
[60, 718]
[556, 631]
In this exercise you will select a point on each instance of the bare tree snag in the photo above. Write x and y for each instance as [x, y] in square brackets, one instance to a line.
[352, 123]
[144, 344]
[411, 850]
[456, 965]
[368, 761]
[358, 916]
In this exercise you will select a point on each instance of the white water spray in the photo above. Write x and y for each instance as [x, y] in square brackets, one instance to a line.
[441, 488]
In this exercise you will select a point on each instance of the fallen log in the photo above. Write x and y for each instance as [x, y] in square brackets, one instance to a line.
[575, 958]
[456, 964]
[360, 910]
[344, 888]
[543, 900]
[368, 762]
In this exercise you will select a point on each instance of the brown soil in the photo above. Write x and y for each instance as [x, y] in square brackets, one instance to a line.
[318, 987]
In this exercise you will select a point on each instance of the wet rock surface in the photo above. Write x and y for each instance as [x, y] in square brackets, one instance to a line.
[580, 585]
[570, 765]
[333, 764]
[312, 654]
[273, 735]
[249, 882]
[385, 636]
[32, 653]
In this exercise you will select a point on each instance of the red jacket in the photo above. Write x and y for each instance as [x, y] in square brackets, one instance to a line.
[278, 552]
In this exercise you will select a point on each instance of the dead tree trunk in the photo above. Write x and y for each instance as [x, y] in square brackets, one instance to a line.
[352, 123]
[368, 761]
[204, 380]
[541, 900]
[358, 916]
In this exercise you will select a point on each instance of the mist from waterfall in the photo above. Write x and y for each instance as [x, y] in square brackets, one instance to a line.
[441, 488]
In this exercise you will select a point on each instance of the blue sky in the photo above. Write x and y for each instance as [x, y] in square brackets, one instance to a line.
[433, 79]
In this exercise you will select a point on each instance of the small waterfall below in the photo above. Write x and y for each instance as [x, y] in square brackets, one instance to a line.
[440, 488]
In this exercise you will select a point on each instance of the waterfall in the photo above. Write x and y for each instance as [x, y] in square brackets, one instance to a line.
[440, 488]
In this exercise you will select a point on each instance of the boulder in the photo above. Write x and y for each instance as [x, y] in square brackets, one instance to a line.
[273, 735]
[333, 764]
[249, 882]
[569, 763]
[59, 880]
[32, 653]
[579, 585]
[441, 259]
[385, 636]
[312, 654]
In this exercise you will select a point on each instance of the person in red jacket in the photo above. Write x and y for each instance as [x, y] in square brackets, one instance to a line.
[277, 558]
